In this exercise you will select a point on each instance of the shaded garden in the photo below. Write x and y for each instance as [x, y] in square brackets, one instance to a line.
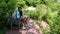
[47, 10]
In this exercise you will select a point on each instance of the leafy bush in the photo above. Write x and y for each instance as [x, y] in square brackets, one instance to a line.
[25, 3]
[33, 2]
[21, 3]
[4, 31]
[53, 19]
[55, 29]
[6, 8]
[33, 14]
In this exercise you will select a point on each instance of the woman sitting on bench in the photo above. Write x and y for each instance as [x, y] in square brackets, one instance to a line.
[20, 18]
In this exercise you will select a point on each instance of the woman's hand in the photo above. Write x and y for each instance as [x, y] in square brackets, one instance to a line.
[21, 17]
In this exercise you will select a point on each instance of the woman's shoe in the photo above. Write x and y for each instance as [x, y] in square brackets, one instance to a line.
[23, 27]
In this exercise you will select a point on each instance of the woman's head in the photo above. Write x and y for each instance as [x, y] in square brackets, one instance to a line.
[19, 8]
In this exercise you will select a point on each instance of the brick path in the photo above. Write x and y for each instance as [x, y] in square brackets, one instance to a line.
[34, 29]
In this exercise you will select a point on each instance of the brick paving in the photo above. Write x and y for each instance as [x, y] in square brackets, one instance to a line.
[34, 29]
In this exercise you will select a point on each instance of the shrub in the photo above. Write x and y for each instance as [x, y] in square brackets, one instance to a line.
[53, 19]
[6, 8]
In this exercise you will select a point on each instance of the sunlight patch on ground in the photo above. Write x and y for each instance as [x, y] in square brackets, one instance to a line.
[58, 0]
[31, 8]
[45, 25]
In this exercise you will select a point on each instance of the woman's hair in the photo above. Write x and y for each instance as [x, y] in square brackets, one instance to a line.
[19, 7]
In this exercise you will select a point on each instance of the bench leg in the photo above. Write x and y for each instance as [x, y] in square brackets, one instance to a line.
[11, 26]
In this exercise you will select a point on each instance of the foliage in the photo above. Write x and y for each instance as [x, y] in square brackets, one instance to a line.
[52, 18]
[33, 2]
[49, 13]
[25, 3]
[33, 14]
[4, 30]
[21, 3]
[6, 8]
[48, 10]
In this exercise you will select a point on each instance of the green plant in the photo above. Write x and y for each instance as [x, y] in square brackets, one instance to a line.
[7, 7]
[4, 30]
